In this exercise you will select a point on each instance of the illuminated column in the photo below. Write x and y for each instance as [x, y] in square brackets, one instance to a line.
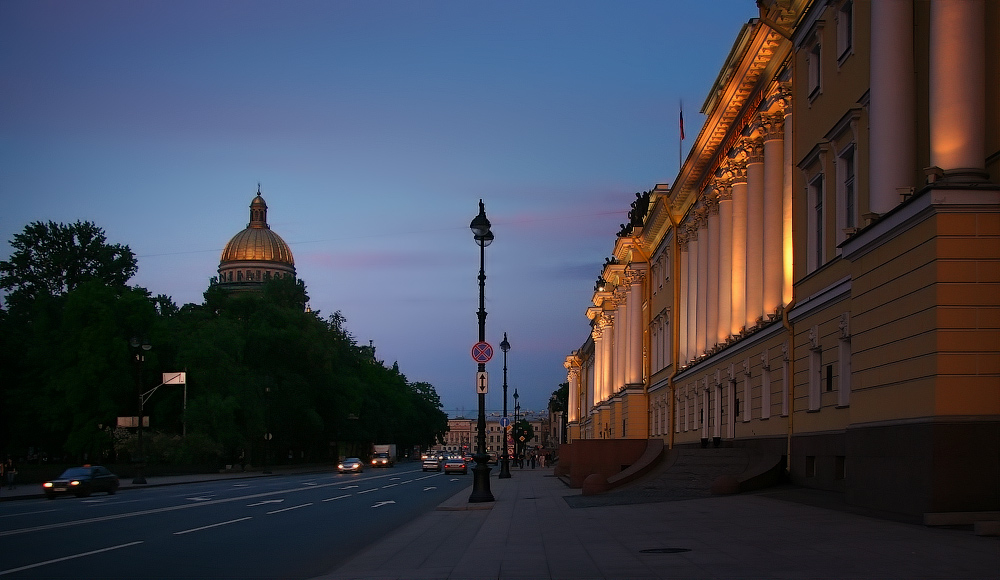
[621, 337]
[712, 294]
[774, 160]
[725, 303]
[598, 379]
[634, 365]
[739, 249]
[692, 301]
[608, 356]
[703, 250]
[958, 87]
[892, 119]
[786, 198]
[682, 316]
[591, 382]
[755, 232]
[572, 366]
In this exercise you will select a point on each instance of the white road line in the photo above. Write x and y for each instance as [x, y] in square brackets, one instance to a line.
[211, 526]
[266, 501]
[368, 490]
[63, 559]
[26, 513]
[383, 487]
[43, 527]
[294, 507]
[338, 497]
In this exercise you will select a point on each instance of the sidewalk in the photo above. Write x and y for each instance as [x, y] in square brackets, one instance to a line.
[531, 532]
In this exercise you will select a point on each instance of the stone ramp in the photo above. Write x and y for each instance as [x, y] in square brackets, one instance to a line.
[684, 474]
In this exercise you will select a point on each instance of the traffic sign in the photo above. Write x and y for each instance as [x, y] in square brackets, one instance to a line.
[504, 421]
[482, 352]
[482, 382]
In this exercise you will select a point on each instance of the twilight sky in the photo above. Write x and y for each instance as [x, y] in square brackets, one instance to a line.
[374, 128]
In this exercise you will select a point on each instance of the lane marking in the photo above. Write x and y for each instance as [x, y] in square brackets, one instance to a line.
[64, 558]
[265, 502]
[368, 490]
[382, 503]
[338, 497]
[183, 506]
[383, 487]
[211, 526]
[294, 507]
[346, 487]
[26, 513]
[425, 489]
[199, 498]
[235, 484]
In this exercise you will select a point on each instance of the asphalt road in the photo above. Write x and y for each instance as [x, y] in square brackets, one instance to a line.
[295, 526]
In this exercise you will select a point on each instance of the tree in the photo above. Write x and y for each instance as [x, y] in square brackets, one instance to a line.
[52, 259]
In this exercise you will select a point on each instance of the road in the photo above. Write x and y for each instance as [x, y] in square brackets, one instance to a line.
[292, 526]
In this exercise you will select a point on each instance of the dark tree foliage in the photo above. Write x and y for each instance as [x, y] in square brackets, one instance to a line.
[52, 259]
[257, 363]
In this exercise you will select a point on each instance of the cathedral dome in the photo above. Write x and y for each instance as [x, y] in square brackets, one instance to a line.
[256, 253]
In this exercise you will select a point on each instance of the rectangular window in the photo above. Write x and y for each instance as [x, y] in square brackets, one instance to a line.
[845, 30]
[844, 384]
[816, 242]
[815, 72]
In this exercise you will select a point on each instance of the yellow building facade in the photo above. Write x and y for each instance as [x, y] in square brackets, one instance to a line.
[822, 279]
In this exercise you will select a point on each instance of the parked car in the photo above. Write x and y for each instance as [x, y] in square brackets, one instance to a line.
[81, 482]
[351, 465]
[432, 463]
[455, 465]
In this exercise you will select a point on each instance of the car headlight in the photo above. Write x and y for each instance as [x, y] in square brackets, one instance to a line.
[340, 466]
[74, 482]
[47, 484]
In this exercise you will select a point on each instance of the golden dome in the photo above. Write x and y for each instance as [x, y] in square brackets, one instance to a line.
[255, 254]
[257, 245]
[257, 242]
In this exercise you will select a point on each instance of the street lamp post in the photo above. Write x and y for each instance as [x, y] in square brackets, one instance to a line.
[481, 472]
[140, 357]
[517, 407]
[505, 461]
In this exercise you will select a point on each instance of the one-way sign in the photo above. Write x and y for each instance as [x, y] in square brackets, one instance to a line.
[482, 382]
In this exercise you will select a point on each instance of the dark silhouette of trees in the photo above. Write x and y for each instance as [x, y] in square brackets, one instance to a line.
[256, 363]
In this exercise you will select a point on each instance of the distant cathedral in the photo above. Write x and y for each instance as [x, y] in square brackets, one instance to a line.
[256, 254]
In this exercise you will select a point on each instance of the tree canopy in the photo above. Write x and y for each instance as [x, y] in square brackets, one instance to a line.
[257, 363]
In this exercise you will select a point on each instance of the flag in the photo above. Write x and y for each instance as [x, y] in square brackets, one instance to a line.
[682, 124]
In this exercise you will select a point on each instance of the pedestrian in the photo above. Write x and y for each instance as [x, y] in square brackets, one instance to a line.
[541, 460]
[9, 472]
[532, 459]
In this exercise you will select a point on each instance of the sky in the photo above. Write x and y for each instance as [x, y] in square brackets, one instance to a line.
[373, 128]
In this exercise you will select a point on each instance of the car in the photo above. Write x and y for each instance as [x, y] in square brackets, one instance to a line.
[351, 465]
[456, 465]
[432, 463]
[81, 482]
[382, 460]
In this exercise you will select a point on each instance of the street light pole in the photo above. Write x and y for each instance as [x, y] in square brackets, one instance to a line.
[505, 461]
[481, 472]
[140, 357]
[517, 407]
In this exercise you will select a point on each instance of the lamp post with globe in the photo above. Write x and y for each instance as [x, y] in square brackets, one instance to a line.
[481, 472]
[505, 461]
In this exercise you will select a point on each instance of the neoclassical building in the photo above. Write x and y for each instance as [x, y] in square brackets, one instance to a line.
[822, 279]
[256, 254]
